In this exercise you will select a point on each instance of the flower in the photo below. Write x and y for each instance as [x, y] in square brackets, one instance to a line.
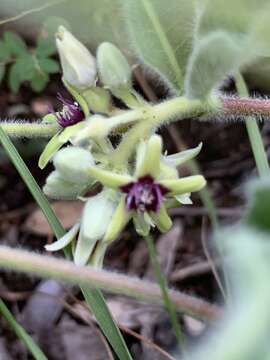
[78, 64]
[149, 192]
[70, 114]
[144, 194]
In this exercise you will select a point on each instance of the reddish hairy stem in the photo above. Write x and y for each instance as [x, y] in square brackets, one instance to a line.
[245, 106]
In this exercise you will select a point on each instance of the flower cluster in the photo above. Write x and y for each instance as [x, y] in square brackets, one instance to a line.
[141, 189]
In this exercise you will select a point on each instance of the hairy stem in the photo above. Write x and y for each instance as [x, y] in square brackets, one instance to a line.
[46, 266]
[254, 134]
[29, 130]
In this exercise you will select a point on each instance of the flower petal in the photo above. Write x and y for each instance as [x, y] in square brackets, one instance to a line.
[142, 227]
[184, 185]
[108, 178]
[50, 149]
[182, 156]
[64, 240]
[150, 161]
[97, 215]
[119, 220]
[162, 219]
[184, 199]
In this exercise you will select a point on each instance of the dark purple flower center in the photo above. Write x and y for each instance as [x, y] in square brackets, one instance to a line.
[144, 194]
[70, 114]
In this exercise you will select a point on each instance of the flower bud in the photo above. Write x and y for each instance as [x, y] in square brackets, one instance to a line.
[78, 64]
[113, 68]
[57, 187]
[73, 164]
[96, 218]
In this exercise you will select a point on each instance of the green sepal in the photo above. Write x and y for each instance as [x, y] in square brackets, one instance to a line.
[108, 178]
[141, 225]
[182, 156]
[98, 99]
[78, 97]
[184, 185]
[70, 131]
[150, 160]
[64, 240]
[162, 219]
[49, 118]
[50, 149]
[125, 94]
[119, 220]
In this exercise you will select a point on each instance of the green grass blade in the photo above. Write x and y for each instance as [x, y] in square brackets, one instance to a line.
[93, 297]
[21, 333]
[98, 305]
[165, 293]
[254, 134]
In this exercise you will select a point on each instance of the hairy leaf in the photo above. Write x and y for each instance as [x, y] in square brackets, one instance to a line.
[161, 34]
[212, 59]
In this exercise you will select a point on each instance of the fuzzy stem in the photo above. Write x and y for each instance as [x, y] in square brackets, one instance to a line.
[152, 117]
[244, 106]
[29, 130]
[47, 266]
[254, 134]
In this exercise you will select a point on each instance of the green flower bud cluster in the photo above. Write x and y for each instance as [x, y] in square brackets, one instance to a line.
[140, 189]
[142, 193]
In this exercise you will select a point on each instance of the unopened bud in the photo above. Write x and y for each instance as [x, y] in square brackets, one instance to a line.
[57, 187]
[113, 68]
[73, 164]
[78, 64]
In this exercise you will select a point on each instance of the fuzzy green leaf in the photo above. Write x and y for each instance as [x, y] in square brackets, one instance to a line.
[161, 35]
[15, 43]
[212, 59]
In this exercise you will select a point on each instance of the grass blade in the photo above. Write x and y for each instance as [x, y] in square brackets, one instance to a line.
[254, 134]
[21, 333]
[94, 297]
[165, 292]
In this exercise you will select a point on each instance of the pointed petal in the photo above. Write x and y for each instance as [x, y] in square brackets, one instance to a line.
[119, 220]
[184, 185]
[150, 162]
[84, 248]
[108, 178]
[162, 219]
[183, 156]
[64, 240]
[97, 215]
[97, 258]
[70, 131]
[184, 199]
[50, 149]
[142, 227]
